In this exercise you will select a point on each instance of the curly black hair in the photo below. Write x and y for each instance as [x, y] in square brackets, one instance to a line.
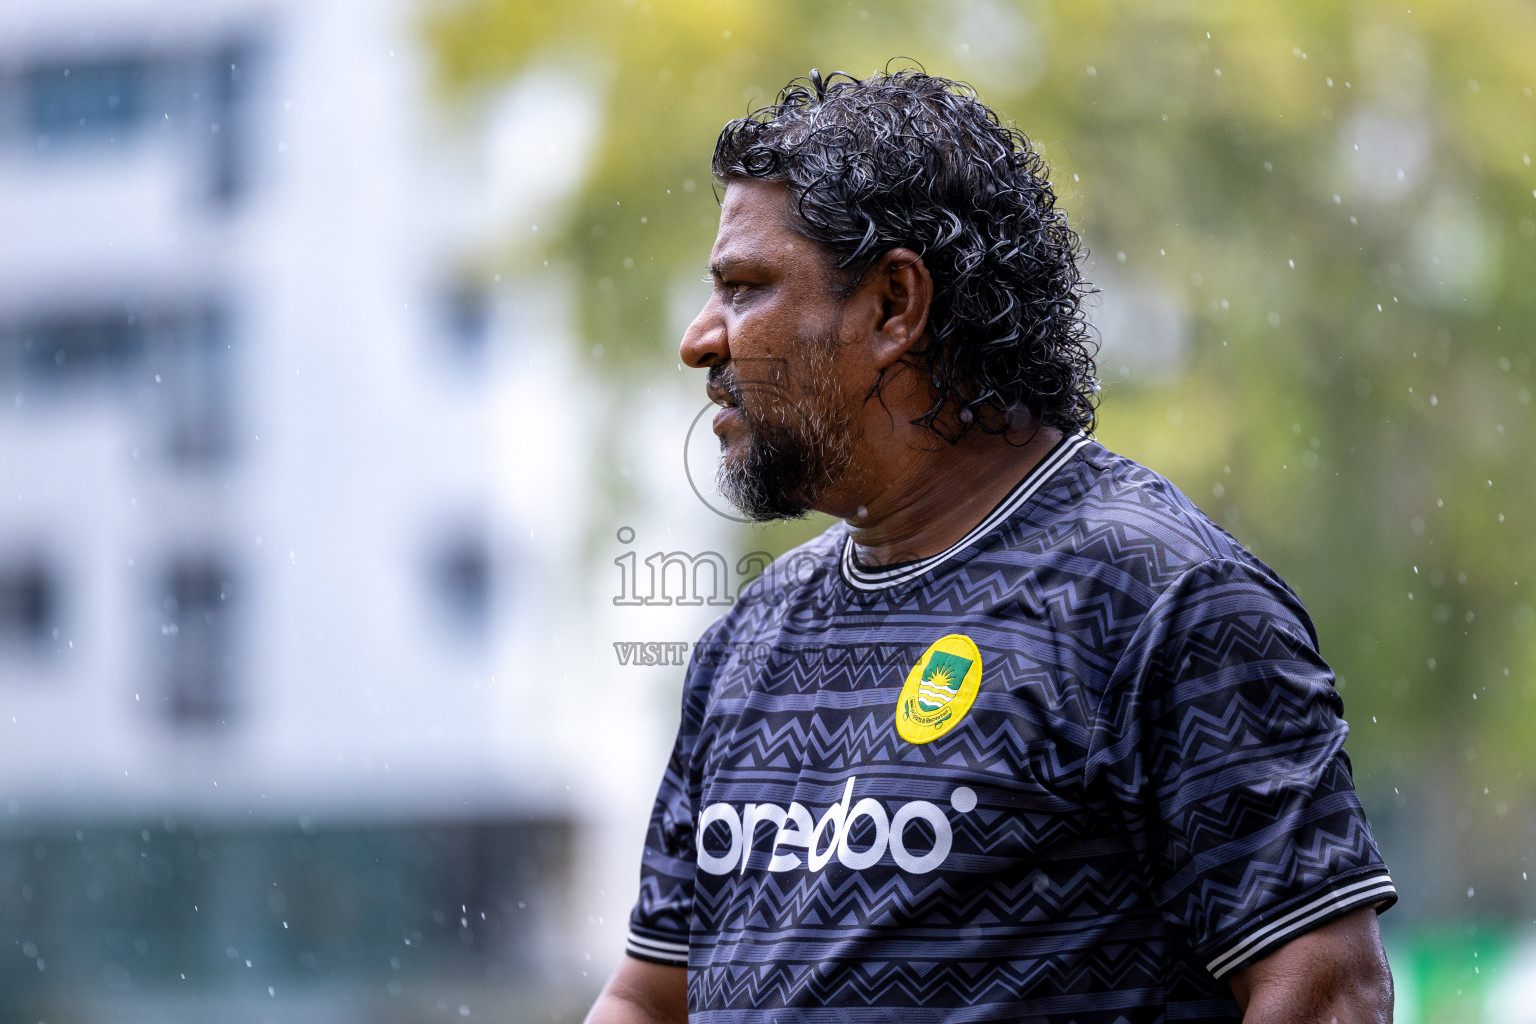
[912, 160]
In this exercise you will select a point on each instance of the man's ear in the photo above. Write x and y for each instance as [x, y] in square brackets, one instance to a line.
[900, 291]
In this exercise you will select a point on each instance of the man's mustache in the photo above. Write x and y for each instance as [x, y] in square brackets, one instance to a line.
[722, 383]
[766, 382]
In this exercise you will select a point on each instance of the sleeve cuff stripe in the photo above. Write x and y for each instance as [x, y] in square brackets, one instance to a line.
[642, 940]
[659, 948]
[667, 959]
[1302, 917]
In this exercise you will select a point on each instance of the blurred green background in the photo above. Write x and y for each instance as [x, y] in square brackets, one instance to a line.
[1314, 228]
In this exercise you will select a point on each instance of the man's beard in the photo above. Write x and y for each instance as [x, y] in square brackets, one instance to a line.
[797, 444]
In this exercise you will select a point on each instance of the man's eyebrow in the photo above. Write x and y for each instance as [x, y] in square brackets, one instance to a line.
[724, 266]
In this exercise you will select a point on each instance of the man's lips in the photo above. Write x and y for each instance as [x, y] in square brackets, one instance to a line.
[723, 416]
[722, 392]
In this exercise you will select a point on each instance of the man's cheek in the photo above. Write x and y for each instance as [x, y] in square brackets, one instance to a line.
[765, 407]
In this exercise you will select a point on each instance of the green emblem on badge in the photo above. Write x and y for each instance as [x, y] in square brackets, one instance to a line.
[939, 690]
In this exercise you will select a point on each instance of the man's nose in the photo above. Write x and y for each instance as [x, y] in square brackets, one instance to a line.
[704, 343]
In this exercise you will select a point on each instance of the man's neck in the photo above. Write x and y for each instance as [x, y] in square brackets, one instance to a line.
[924, 497]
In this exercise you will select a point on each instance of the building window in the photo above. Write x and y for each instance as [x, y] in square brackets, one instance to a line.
[197, 101]
[170, 368]
[195, 356]
[60, 351]
[198, 640]
[461, 571]
[423, 905]
[227, 117]
[86, 100]
[28, 605]
[465, 314]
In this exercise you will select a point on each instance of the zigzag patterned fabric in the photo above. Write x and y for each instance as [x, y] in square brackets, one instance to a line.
[1137, 787]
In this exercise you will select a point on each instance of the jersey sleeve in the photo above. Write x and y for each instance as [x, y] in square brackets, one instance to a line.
[1220, 739]
[658, 924]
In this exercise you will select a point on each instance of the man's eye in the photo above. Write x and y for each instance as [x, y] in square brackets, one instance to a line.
[738, 291]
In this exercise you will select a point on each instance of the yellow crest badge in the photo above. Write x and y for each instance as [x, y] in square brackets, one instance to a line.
[939, 690]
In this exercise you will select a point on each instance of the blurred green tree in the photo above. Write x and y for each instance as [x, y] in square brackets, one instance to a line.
[1324, 216]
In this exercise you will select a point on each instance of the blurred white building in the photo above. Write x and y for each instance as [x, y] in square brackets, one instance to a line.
[292, 497]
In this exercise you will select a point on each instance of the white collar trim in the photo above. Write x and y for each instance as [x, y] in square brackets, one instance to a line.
[879, 579]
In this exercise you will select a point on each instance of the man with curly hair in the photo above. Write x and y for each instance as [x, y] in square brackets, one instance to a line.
[1033, 739]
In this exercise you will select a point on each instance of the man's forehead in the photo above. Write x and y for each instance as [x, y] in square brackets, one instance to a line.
[754, 197]
[755, 225]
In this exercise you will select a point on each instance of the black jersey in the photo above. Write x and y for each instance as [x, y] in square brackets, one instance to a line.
[1080, 767]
